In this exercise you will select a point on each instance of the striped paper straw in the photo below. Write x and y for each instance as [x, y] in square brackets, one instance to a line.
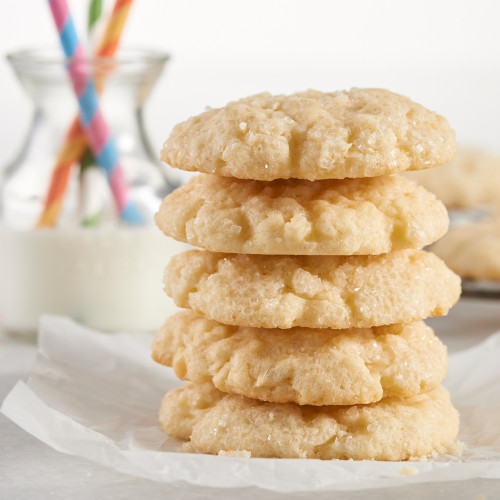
[93, 191]
[91, 197]
[75, 141]
[114, 29]
[95, 11]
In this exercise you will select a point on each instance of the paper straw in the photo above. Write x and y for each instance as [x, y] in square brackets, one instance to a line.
[114, 29]
[92, 194]
[95, 11]
[91, 197]
[75, 141]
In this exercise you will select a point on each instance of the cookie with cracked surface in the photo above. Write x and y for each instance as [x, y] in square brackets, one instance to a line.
[312, 291]
[392, 429]
[473, 250]
[312, 135]
[295, 217]
[303, 365]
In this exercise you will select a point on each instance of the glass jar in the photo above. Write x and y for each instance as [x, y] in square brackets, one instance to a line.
[109, 275]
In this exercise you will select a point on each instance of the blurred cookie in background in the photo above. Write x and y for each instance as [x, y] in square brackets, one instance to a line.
[470, 181]
[473, 252]
[469, 186]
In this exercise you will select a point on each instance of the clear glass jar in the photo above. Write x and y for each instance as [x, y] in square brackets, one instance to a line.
[108, 276]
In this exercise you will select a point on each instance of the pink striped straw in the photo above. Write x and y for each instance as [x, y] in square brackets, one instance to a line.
[100, 140]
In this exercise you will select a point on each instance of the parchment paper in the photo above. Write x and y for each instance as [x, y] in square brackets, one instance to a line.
[97, 396]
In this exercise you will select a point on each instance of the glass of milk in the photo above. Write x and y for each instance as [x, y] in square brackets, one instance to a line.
[105, 274]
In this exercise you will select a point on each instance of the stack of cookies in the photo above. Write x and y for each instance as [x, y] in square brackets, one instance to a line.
[303, 334]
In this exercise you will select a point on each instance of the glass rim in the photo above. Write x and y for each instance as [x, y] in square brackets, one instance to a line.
[37, 58]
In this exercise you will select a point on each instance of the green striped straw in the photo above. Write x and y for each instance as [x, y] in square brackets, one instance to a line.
[91, 196]
[95, 12]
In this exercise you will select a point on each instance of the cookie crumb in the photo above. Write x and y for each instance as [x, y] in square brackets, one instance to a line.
[186, 448]
[235, 453]
[479, 496]
[457, 448]
[243, 126]
[408, 471]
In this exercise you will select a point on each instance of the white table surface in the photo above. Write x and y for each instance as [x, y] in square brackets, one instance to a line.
[29, 469]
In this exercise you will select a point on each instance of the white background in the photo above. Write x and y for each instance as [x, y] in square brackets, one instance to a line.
[442, 53]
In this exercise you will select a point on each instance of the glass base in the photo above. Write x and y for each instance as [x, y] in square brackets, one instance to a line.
[108, 279]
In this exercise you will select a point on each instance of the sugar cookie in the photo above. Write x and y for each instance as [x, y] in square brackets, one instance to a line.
[303, 365]
[470, 180]
[392, 429]
[473, 250]
[316, 291]
[312, 135]
[293, 217]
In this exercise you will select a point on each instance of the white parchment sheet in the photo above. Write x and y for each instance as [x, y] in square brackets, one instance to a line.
[97, 396]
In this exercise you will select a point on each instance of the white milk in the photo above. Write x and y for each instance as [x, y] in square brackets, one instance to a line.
[107, 279]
